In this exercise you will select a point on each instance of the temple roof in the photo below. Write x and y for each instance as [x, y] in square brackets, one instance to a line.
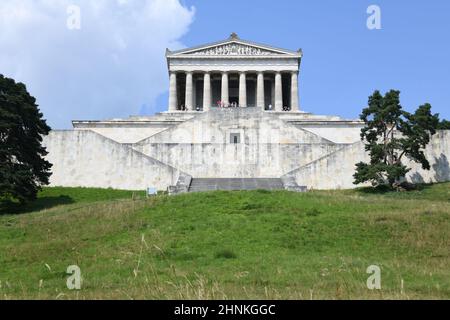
[232, 47]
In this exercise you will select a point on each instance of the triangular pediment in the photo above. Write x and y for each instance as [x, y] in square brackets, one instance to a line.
[234, 47]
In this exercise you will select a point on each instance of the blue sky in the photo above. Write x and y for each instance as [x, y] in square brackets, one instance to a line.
[114, 66]
[344, 61]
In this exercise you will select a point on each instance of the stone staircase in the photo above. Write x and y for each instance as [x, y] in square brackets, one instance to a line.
[182, 186]
[211, 184]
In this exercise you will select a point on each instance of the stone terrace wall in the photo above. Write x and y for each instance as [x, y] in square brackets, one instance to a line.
[87, 159]
[438, 154]
[269, 147]
[335, 171]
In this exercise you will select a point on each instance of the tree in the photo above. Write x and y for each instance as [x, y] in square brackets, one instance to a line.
[390, 135]
[23, 169]
[444, 125]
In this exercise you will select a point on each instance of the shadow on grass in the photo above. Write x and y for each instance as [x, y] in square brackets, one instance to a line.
[11, 207]
[387, 189]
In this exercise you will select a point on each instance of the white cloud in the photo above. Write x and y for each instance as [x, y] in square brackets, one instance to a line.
[108, 68]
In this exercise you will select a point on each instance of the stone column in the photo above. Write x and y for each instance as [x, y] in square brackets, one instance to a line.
[294, 92]
[260, 99]
[194, 98]
[225, 94]
[189, 92]
[272, 91]
[207, 92]
[278, 92]
[243, 90]
[173, 98]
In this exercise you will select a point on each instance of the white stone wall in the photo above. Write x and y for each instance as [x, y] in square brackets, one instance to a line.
[336, 170]
[272, 146]
[224, 160]
[269, 147]
[87, 159]
[126, 134]
[438, 154]
[335, 132]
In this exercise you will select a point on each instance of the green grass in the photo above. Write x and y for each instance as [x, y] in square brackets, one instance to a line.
[228, 245]
[51, 197]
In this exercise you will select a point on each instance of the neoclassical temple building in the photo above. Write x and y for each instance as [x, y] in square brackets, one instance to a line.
[234, 72]
[233, 121]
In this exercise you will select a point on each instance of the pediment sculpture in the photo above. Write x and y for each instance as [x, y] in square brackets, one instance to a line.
[233, 49]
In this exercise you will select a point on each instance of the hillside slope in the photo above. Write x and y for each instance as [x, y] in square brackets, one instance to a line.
[256, 244]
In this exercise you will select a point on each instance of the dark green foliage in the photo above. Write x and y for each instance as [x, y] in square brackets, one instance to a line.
[23, 169]
[444, 125]
[390, 135]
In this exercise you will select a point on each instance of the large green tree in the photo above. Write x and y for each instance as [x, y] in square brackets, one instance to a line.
[391, 134]
[23, 169]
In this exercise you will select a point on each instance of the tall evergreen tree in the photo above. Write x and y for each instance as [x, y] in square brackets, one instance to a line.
[23, 169]
[390, 135]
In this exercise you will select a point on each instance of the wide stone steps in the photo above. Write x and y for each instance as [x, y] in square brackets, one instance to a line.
[210, 184]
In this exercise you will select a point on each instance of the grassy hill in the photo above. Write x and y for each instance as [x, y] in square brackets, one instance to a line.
[227, 245]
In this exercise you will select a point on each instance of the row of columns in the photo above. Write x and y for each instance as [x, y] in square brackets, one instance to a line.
[207, 98]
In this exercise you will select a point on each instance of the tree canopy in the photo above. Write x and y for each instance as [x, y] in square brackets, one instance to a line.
[390, 135]
[444, 125]
[23, 169]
